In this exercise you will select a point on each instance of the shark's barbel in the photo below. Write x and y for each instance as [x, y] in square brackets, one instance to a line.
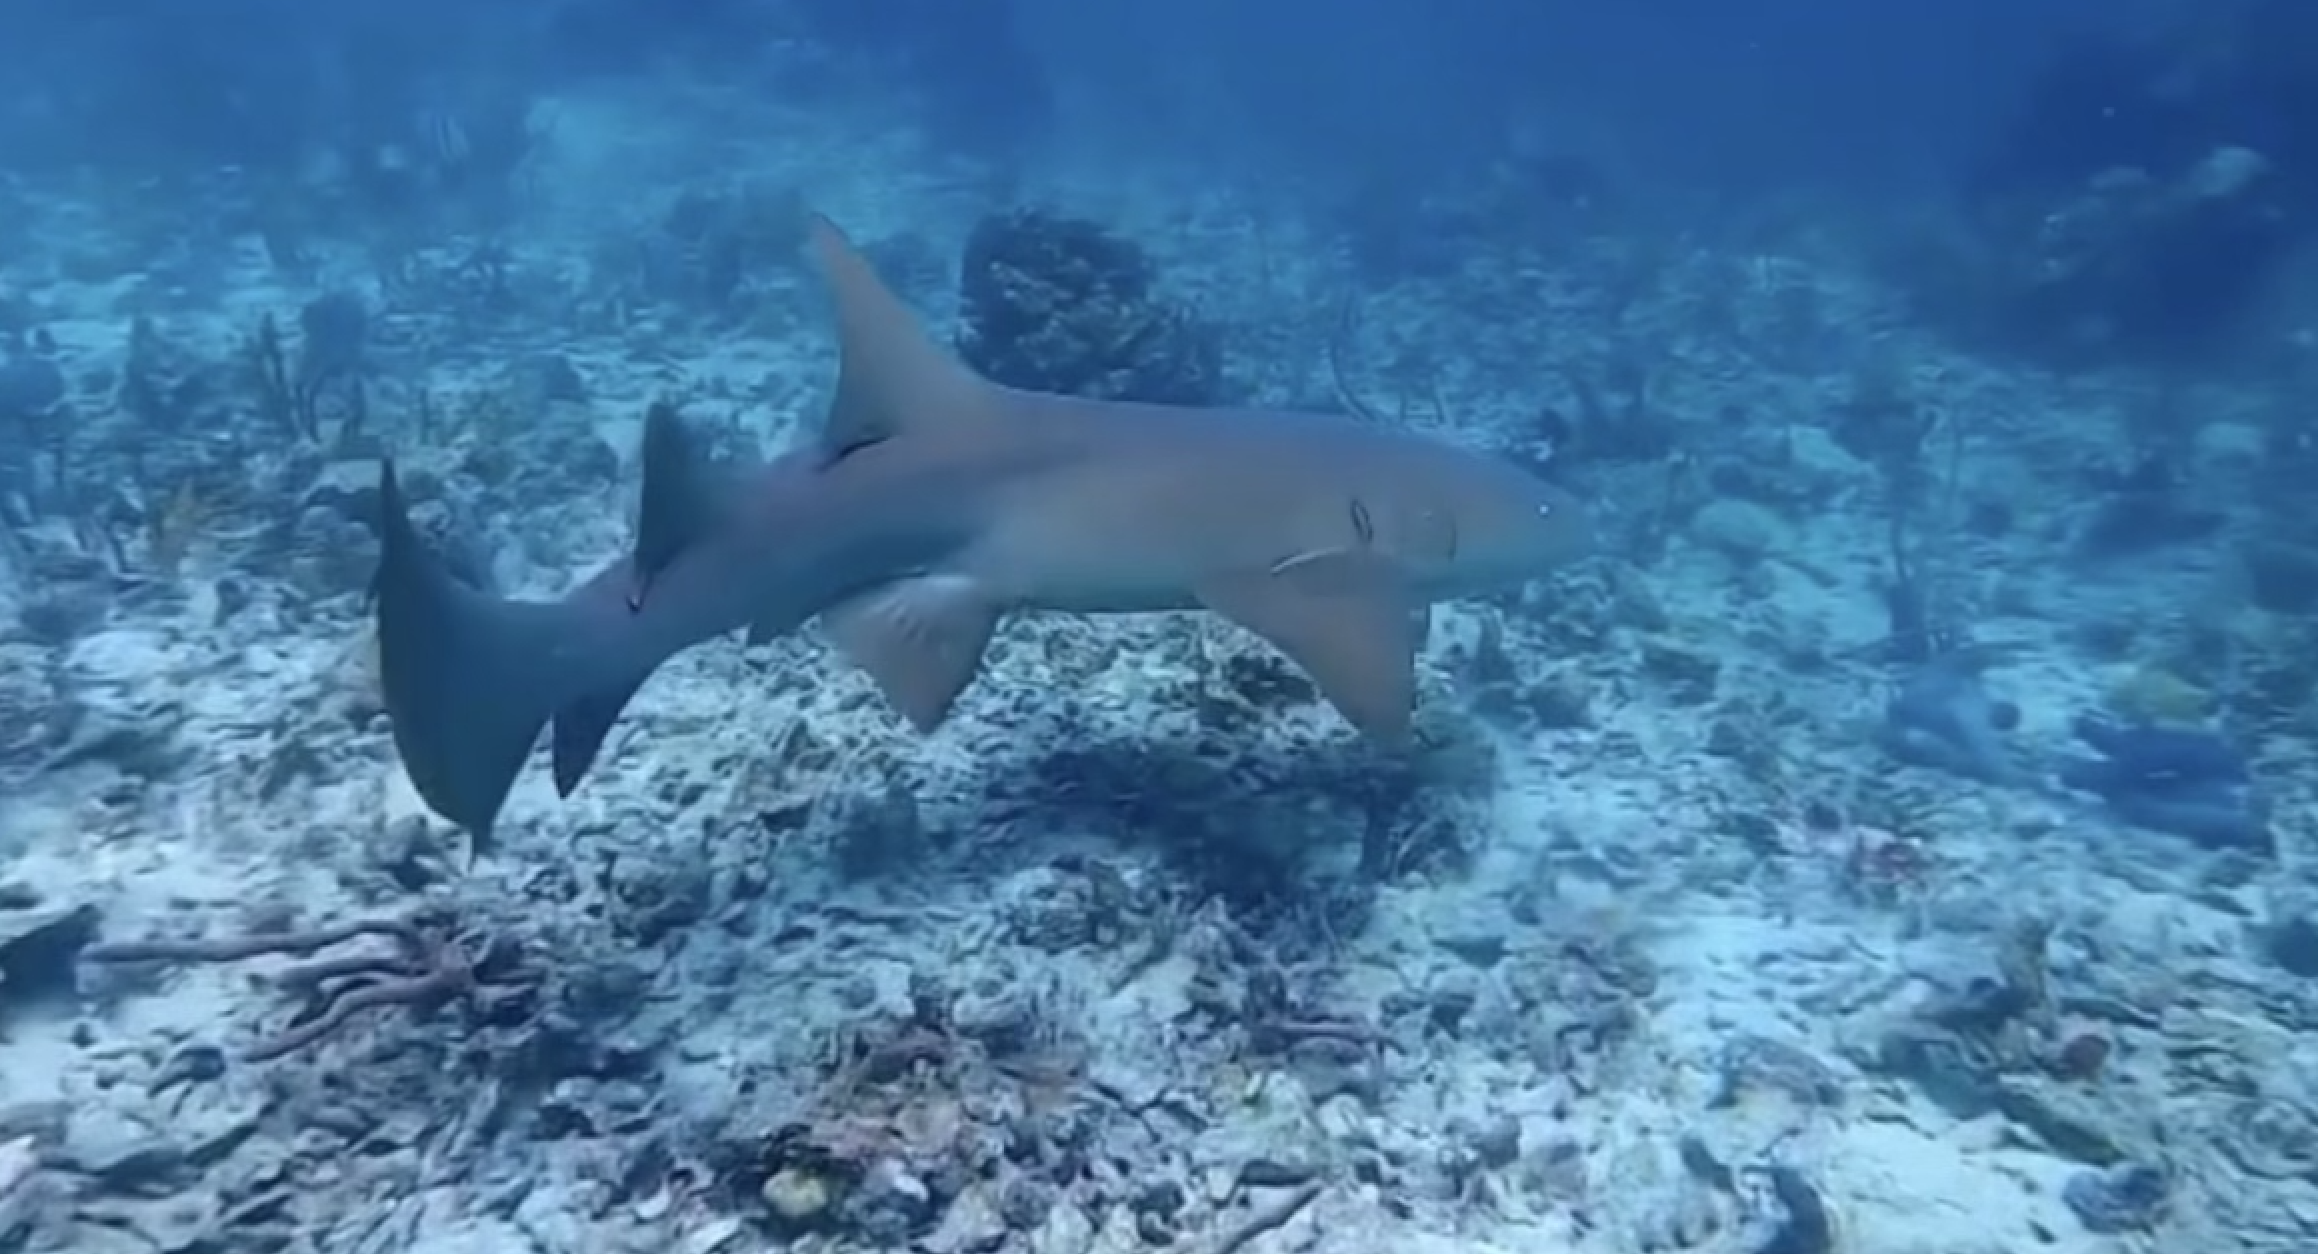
[933, 504]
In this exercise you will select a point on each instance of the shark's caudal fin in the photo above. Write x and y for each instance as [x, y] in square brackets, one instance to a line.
[920, 640]
[468, 678]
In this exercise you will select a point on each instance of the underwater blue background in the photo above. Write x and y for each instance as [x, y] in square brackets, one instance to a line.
[1892, 838]
[1735, 95]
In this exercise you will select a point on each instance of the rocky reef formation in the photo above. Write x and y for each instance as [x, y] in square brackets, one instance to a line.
[1060, 304]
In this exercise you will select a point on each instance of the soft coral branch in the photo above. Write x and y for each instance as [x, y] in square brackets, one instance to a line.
[425, 966]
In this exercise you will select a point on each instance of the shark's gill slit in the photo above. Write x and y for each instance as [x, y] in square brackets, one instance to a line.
[850, 447]
[1362, 525]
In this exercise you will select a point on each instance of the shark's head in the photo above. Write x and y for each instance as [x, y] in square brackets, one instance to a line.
[1508, 527]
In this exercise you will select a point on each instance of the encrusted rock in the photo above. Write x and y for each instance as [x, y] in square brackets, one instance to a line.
[38, 949]
[1067, 1230]
[889, 1205]
[2128, 1197]
[1049, 910]
[975, 1221]
[797, 1195]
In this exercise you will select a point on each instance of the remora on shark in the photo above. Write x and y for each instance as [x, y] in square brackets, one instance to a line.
[932, 504]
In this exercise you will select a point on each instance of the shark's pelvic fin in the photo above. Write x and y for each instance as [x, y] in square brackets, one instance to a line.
[921, 641]
[891, 379]
[1347, 621]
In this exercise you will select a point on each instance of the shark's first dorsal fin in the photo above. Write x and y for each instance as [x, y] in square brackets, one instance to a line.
[685, 496]
[891, 379]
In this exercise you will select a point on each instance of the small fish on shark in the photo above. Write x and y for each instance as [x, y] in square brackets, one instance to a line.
[932, 504]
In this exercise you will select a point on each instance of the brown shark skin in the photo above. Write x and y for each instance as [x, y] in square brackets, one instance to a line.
[1321, 533]
[1108, 507]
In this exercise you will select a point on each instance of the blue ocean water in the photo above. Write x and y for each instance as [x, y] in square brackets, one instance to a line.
[1124, 828]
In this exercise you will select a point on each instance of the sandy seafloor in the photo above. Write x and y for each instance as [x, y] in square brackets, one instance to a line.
[1144, 950]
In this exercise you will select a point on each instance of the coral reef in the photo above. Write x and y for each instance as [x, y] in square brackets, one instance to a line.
[426, 967]
[1059, 304]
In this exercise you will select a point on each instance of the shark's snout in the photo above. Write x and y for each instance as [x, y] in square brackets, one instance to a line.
[1527, 529]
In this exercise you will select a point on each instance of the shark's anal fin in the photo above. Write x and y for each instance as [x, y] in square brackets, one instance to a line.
[921, 641]
[685, 496]
[582, 723]
[1347, 621]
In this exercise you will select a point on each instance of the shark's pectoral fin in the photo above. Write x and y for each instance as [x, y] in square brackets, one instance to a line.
[1348, 622]
[1354, 572]
[920, 640]
[685, 494]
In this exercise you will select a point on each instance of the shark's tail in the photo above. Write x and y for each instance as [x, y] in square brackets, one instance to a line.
[469, 678]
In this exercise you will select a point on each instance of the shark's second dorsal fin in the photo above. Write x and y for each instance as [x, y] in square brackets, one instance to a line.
[891, 379]
[685, 495]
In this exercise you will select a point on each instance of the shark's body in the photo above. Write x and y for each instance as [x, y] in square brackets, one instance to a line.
[934, 504]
